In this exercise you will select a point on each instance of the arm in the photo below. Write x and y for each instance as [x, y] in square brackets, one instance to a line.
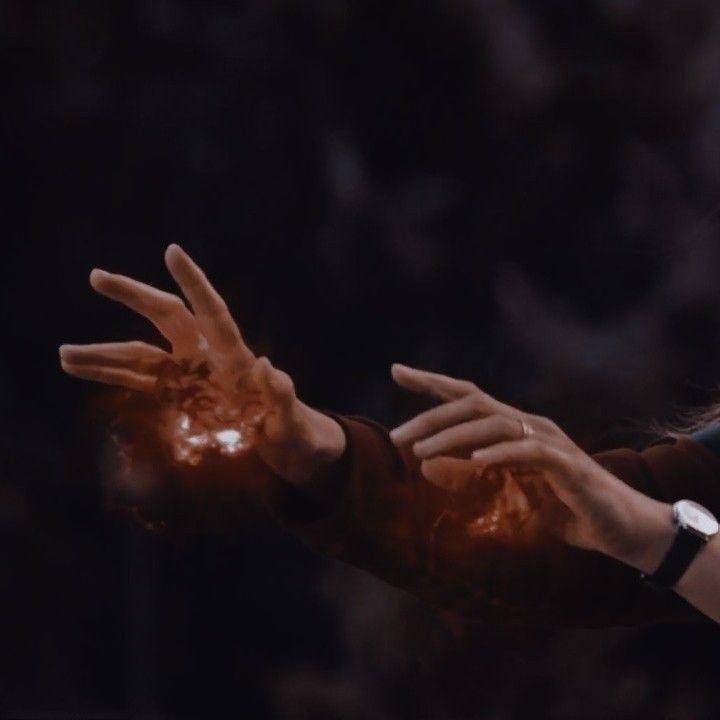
[689, 468]
[617, 504]
[340, 483]
[208, 357]
[700, 585]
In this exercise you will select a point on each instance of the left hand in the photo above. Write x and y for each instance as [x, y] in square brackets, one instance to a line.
[605, 514]
[294, 440]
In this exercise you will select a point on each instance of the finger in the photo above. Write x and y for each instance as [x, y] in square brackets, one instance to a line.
[451, 474]
[166, 311]
[438, 418]
[134, 355]
[279, 395]
[438, 386]
[277, 384]
[474, 433]
[213, 317]
[111, 376]
[533, 450]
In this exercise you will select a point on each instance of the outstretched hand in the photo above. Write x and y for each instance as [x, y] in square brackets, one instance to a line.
[207, 333]
[471, 427]
[294, 440]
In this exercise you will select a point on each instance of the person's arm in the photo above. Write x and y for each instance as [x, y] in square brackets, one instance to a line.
[618, 502]
[341, 483]
[700, 584]
[378, 512]
[295, 441]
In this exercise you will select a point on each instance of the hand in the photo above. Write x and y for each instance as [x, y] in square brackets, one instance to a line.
[207, 349]
[604, 514]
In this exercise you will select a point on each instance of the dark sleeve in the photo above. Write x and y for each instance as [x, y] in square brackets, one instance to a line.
[375, 510]
[683, 469]
[709, 437]
[372, 509]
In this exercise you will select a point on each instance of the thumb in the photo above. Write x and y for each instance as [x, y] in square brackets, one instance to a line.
[277, 385]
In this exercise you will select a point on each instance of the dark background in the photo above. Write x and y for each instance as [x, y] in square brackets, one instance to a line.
[522, 193]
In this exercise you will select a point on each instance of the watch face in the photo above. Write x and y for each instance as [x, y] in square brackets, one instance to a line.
[696, 518]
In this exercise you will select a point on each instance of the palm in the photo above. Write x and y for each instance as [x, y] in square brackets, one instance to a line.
[471, 433]
[209, 381]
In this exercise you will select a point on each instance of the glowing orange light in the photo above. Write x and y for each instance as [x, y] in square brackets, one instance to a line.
[203, 412]
[189, 439]
[508, 509]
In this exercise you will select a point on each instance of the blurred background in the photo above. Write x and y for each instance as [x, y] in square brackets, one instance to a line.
[522, 193]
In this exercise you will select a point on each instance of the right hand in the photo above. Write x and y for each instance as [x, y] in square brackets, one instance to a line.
[294, 440]
[602, 513]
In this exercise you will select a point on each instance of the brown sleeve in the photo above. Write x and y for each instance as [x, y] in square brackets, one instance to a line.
[669, 472]
[372, 509]
[375, 510]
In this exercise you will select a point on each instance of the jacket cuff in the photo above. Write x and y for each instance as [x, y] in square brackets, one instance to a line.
[318, 499]
[327, 511]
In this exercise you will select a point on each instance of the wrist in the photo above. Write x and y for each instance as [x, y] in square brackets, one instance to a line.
[316, 441]
[324, 438]
[651, 533]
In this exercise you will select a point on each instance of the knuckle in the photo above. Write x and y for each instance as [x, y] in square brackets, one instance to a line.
[550, 424]
[173, 305]
[508, 424]
[217, 304]
[228, 329]
[284, 382]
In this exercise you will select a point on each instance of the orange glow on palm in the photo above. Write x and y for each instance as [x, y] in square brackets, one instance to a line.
[202, 413]
[201, 396]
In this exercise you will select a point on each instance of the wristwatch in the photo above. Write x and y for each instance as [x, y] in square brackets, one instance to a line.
[695, 526]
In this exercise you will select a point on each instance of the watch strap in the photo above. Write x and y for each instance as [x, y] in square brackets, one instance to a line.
[682, 552]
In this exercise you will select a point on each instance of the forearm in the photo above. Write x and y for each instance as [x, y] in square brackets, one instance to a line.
[700, 585]
[655, 531]
[374, 510]
[311, 445]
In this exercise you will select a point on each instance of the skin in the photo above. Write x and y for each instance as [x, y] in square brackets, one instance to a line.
[606, 514]
[299, 443]
[296, 441]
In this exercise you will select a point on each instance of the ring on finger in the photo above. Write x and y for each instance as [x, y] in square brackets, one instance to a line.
[527, 430]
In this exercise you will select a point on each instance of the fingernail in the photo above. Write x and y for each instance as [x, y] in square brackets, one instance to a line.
[170, 251]
[399, 434]
[96, 274]
[400, 366]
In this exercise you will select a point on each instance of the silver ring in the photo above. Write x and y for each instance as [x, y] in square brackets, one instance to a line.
[527, 431]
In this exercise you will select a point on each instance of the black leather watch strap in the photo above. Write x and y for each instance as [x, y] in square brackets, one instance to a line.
[682, 552]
